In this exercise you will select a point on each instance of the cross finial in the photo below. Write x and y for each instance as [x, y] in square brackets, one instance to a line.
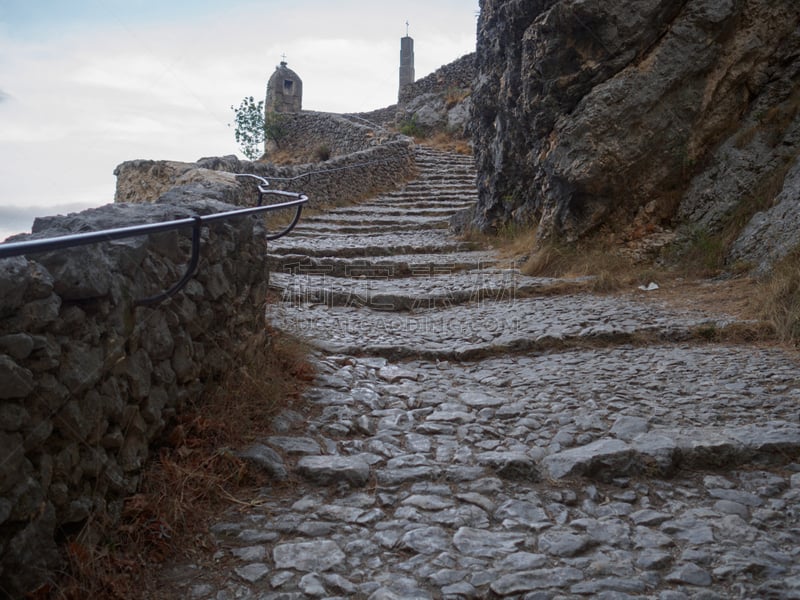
[283, 57]
[406, 27]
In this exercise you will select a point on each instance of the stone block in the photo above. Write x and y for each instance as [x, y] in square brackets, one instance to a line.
[30, 554]
[603, 458]
[13, 417]
[13, 284]
[325, 470]
[156, 338]
[81, 366]
[15, 381]
[13, 452]
[17, 345]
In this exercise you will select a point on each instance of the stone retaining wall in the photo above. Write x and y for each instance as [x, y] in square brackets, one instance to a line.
[384, 117]
[340, 134]
[459, 74]
[383, 167]
[87, 380]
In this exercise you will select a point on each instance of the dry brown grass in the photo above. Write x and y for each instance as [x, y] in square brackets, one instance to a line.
[194, 475]
[455, 95]
[778, 297]
[513, 242]
[447, 142]
[610, 269]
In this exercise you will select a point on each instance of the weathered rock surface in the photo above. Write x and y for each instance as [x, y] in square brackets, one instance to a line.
[441, 100]
[772, 234]
[590, 112]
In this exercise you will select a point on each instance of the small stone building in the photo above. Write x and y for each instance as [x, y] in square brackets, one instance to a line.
[284, 91]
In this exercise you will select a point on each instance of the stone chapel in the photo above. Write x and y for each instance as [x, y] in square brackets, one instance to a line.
[284, 91]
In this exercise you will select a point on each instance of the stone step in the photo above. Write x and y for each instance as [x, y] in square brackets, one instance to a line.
[371, 244]
[663, 451]
[389, 210]
[433, 156]
[401, 265]
[421, 186]
[427, 196]
[426, 201]
[427, 289]
[332, 218]
[322, 228]
[452, 461]
[490, 327]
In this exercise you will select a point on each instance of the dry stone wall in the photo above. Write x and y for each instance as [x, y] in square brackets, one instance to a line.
[88, 380]
[339, 134]
[359, 174]
[459, 74]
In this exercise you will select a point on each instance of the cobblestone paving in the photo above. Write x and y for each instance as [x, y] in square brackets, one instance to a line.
[468, 438]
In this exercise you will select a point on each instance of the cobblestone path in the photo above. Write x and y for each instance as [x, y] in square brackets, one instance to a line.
[480, 434]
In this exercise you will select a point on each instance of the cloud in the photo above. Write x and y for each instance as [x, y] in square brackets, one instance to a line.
[106, 84]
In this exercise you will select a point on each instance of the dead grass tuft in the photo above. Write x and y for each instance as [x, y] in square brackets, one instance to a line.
[195, 474]
[779, 299]
[610, 270]
[447, 142]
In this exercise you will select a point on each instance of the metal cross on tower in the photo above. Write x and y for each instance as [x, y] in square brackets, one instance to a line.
[406, 27]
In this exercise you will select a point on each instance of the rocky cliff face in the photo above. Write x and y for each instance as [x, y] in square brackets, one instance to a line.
[647, 112]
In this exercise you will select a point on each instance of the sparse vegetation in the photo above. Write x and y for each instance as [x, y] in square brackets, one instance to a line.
[322, 153]
[610, 269]
[455, 95]
[779, 299]
[449, 142]
[412, 128]
[700, 255]
[194, 476]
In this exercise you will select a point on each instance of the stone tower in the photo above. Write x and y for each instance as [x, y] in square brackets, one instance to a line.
[284, 91]
[406, 61]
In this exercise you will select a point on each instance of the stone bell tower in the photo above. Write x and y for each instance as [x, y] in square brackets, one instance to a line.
[284, 91]
[406, 60]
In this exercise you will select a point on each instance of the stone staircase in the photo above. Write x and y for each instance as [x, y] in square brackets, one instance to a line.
[475, 433]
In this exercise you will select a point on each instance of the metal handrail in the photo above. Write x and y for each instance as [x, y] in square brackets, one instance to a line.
[196, 223]
[262, 191]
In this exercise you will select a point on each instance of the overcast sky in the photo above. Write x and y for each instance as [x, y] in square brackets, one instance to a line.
[88, 84]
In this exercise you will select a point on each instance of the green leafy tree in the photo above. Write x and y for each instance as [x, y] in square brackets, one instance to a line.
[250, 129]
[254, 127]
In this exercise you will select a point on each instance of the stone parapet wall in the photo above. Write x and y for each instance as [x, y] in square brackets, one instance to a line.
[339, 134]
[459, 74]
[384, 117]
[359, 174]
[88, 380]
